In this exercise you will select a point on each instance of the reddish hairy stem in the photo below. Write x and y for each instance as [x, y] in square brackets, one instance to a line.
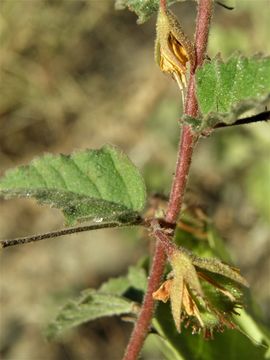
[188, 140]
[205, 10]
[142, 325]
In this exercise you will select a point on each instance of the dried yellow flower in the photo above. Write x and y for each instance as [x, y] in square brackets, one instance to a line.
[173, 49]
[203, 292]
[163, 293]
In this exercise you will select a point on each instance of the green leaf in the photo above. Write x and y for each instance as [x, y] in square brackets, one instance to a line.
[218, 267]
[144, 9]
[107, 301]
[226, 90]
[115, 286]
[229, 345]
[136, 278]
[90, 305]
[92, 184]
[253, 331]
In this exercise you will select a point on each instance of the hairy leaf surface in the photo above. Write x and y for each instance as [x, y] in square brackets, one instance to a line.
[117, 296]
[90, 305]
[227, 90]
[92, 184]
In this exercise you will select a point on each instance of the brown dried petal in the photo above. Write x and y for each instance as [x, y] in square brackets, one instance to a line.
[190, 306]
[163, 293]
[173, 49]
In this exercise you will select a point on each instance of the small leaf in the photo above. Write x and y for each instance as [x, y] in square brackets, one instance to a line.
[136, 278]
[253, 331]
[216, 266]
[115, 286]
[106, 301]
[226, 90]
[144, 9]
[89, 306]
[101, 184]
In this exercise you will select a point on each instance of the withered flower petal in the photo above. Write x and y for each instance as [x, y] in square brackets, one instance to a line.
[205, 305]
[163, 293]
[173, 49]
[190, 306]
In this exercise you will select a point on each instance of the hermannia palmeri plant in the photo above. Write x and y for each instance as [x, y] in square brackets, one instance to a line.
[189, 294]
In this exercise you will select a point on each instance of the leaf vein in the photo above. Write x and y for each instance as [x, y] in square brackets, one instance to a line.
[122, 180]
[234, 81]
[87, 177]
[42, 179]
[60, 176]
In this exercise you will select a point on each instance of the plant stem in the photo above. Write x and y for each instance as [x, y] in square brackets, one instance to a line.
[66, 231]
[163, 4]
[205, 10]
[142, 325]
[187, 143]
[264, 116]
[189, 139]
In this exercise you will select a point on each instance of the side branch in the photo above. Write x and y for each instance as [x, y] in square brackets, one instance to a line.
[264, 116]
[67, 231]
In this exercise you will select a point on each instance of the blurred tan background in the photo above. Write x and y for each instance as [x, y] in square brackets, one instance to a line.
[76, 74]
